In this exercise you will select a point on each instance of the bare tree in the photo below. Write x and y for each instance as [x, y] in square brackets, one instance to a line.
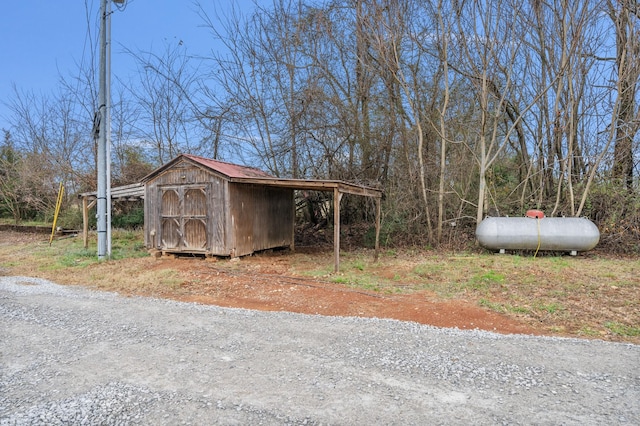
[488, 42]
[10, 201]
[163, 93]
[51, 129]
[561, 32]
[243, 75]
[624, 14]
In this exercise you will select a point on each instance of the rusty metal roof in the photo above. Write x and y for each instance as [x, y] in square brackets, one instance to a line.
[228, 169]
[231, 171]
[244, 174]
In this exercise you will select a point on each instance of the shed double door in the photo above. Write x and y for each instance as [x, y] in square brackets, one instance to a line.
[183, 218]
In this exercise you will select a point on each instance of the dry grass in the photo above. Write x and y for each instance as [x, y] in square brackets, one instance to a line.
[591, 295]
[66, 261]
[583, 296]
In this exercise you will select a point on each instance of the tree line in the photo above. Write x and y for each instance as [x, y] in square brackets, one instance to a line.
[457, 109]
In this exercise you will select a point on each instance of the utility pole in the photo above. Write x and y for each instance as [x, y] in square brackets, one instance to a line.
[103, 204]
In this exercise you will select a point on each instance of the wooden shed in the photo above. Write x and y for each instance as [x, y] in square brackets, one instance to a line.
[202, 206]
[199, 205]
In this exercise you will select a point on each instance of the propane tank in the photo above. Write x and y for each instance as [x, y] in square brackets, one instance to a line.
[537, 232]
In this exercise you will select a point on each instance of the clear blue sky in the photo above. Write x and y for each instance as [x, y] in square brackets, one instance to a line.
[43, 39]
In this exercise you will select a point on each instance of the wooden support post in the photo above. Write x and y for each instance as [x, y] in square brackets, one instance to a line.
[85, 222]
[337, 197]
[378, 213]
[292, 247]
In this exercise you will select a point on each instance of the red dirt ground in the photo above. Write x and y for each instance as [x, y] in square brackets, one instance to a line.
[264, 283]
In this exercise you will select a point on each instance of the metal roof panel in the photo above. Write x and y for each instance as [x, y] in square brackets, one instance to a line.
[231, 170]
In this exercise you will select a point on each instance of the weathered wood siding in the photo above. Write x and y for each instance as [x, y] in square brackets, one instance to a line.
[274, 222]
[261, 216]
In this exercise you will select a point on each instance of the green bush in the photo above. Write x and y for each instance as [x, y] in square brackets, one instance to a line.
[70, 218]
[131, 219]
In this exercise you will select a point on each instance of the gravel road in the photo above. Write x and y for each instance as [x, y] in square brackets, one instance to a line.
[69, 355]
